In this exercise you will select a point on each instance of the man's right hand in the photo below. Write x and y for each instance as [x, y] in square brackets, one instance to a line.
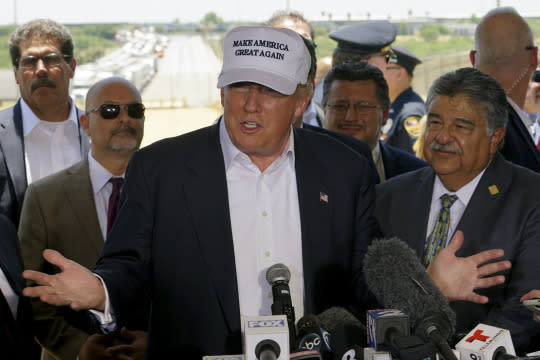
[74, 286]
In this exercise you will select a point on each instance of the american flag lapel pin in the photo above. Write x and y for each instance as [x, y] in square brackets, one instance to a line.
[323, 197]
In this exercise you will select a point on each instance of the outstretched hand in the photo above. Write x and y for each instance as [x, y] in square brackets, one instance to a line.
[74, 286]
[457, 277]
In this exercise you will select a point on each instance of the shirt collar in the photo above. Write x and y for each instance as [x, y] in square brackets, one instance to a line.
[231, 152]
[464, 194]
[99, 176]
[30, 120]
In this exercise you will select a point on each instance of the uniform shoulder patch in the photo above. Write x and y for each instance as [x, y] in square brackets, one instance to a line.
[412, 126]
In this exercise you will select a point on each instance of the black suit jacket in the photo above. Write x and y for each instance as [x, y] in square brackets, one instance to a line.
[359, 146]
[12, 266]
[505, 217]
[397, 162]
[172, 241]
[13, 181]
[519, 146]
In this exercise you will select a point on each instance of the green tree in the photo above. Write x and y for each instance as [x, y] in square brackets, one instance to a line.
[430, 32]
[211, 18]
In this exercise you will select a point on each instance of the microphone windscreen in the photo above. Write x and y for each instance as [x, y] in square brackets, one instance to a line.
[335, 316]
[278, 272]
[397, 278]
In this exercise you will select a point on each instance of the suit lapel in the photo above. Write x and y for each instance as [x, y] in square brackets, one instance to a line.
[207, 184]
[492, 185]
[80, 196]
[418, 210]
[11, 142]
[315, 201]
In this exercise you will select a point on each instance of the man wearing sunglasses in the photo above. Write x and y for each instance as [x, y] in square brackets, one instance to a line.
[41, 134]
[72, 211]
[204, 215]
[504, 48]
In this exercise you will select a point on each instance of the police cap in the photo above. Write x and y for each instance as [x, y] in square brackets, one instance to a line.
[365, 38]
[406, 58]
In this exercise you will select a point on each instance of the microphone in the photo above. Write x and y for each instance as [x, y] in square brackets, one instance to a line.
[266, 337]
[487, 343]
[388, 329]
[347, 333]
[311, 335]
[267, 350]
[383, 325]
[278, 276]
[397, 278]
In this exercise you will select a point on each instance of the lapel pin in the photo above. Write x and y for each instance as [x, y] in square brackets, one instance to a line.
[493, 190]
[323, 197]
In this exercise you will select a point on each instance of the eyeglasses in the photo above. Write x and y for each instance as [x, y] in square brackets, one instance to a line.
[341, 109]
[111, 111]
[50, 60]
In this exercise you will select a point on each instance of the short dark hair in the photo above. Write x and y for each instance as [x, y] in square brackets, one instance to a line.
[40, 28]
[356, 71]
[280, 16]
[480, 88]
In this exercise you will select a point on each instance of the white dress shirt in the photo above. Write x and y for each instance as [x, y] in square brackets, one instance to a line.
[49, 146]
[456, 210]
[102, 189]
[265, 220]
[525, 119]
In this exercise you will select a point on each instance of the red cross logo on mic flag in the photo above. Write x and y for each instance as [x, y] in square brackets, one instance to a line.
[478, 336]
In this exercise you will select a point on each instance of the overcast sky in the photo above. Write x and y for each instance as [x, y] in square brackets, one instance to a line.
[140, 11]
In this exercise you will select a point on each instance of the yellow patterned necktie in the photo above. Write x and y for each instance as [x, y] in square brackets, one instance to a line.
[437, 239]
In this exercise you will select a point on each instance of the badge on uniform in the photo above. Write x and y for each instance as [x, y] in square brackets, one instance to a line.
[412, 126]
[493, 189]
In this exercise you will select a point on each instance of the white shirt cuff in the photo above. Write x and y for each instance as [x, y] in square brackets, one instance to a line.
[106, 318]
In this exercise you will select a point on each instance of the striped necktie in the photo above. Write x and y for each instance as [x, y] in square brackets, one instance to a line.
[437, 239]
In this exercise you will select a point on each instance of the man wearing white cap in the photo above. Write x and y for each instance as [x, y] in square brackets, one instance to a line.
[204, 215]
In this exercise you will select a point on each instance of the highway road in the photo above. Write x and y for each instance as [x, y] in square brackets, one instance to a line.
[187, 75]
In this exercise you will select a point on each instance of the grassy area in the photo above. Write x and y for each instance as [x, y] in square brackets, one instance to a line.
[91, 42]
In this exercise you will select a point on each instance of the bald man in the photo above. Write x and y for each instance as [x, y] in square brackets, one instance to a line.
[71, 211]
[504, 48]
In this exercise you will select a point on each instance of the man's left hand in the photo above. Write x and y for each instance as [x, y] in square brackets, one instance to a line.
[457, 277]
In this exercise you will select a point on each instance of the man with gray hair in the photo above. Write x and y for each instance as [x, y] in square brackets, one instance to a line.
[472, 195]
[41, 134]
[504, 48]
[204, 215]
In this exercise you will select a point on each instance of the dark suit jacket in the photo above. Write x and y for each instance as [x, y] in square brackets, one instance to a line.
[357, 145]
[508, 219]
[59, 213]
[13, 180]
[172, 239]
[397, 162]
[12, 266]
[519, 146]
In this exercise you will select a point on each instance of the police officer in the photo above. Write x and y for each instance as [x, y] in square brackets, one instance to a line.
[369, 41]
[403, 125]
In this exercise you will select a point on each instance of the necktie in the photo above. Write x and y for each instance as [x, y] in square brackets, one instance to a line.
[538, 144]
[437, 239]
[7, 327]
[113, 201]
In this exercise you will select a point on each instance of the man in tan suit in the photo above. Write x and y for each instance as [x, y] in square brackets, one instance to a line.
[71, 211]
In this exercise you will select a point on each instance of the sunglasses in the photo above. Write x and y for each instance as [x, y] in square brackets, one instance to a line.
[111, 111]
[49, 61]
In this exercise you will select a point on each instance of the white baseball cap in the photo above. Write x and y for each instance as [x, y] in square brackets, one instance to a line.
[273, 57]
